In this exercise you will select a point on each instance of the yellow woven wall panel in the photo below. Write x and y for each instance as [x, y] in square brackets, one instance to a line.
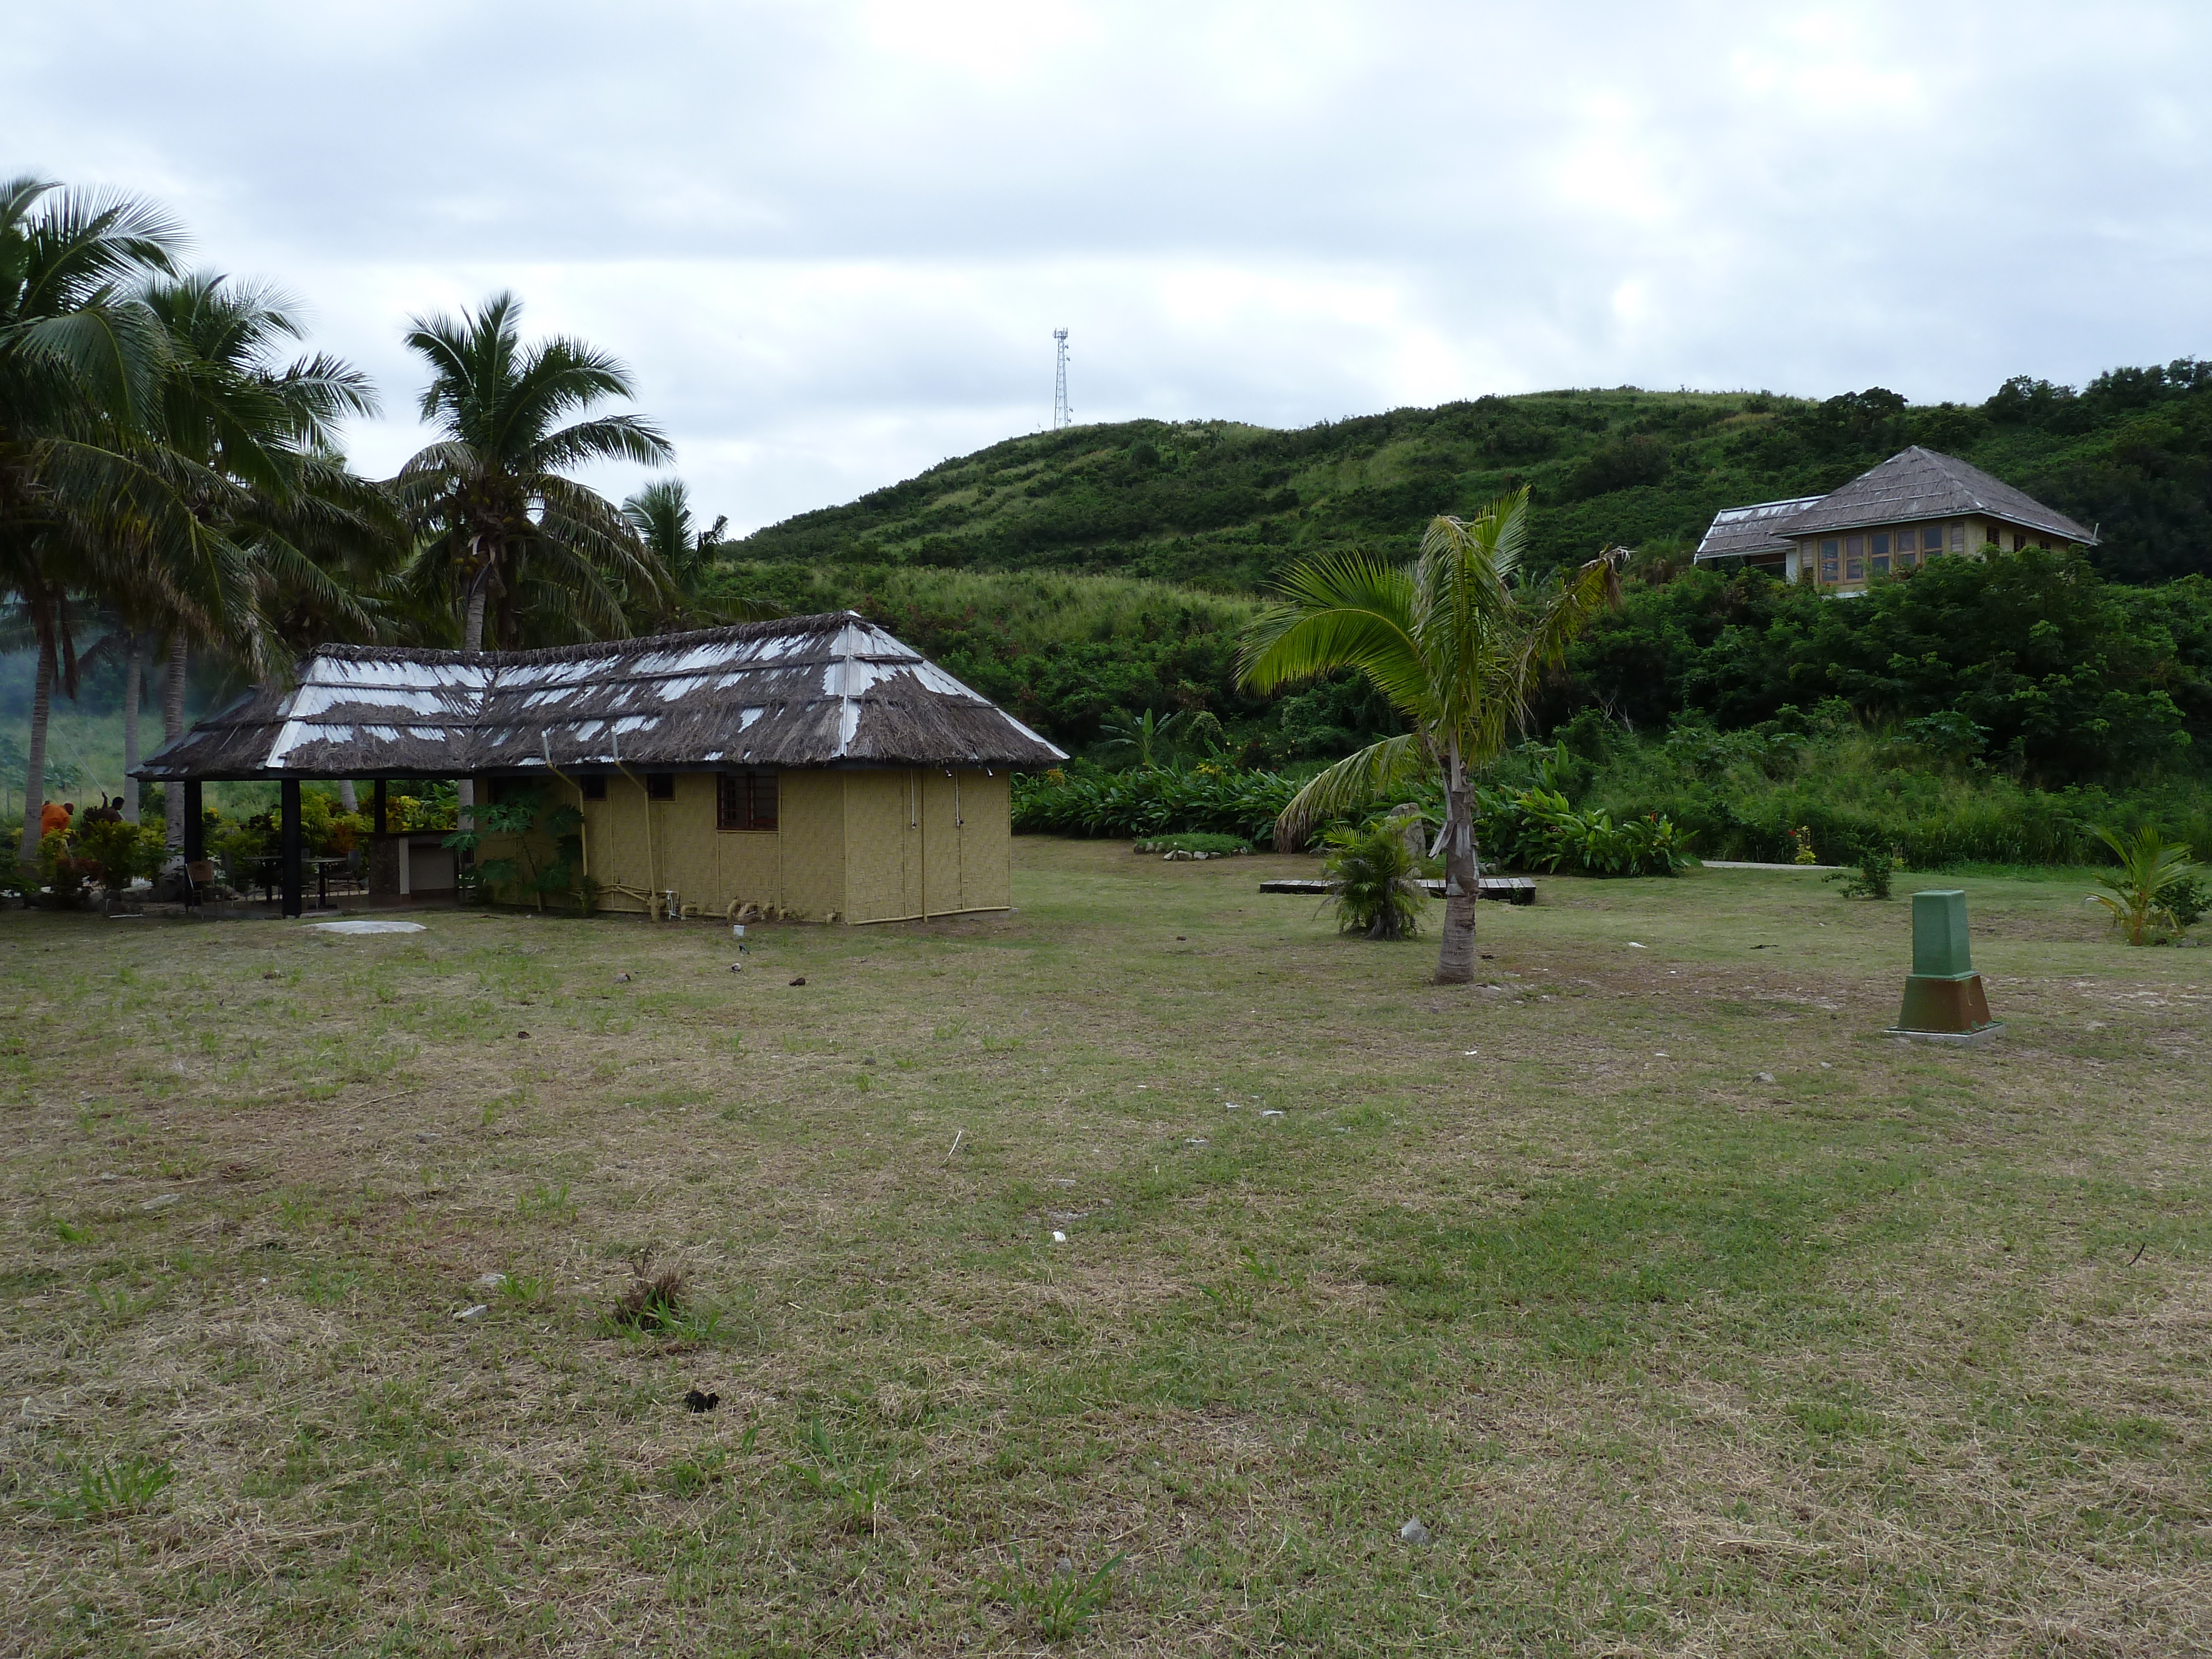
[871, 845]
[614, 832]
[811, 815]
[940, 841]
[883, 879]
[987, 840]
[750, 866]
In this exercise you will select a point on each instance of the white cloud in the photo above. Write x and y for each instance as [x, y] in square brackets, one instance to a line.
[833, 240]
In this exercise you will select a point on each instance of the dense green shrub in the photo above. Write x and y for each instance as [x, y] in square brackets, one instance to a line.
[1198, 841]
[1373, 879]
[1538, 830]
[1160, 801]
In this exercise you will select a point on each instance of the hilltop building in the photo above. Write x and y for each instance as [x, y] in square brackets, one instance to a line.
[1916, 506]
[812, 767]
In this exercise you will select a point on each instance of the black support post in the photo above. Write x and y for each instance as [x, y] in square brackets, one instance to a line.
[195, 824]
[381, 818]
[289, 849]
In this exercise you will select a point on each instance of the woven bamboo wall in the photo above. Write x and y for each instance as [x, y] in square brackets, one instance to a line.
[987, 840]
[882, 871]
[887, 844]
[811, 815]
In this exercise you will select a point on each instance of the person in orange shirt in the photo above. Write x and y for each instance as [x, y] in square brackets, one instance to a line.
[52, 818]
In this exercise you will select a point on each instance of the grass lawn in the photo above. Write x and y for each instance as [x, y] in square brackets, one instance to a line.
[1902, 1351]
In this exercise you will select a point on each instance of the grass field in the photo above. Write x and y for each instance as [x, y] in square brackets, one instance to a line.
[1903, 1352]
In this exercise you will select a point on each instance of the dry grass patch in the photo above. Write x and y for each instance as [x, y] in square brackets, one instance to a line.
[1901, 1351]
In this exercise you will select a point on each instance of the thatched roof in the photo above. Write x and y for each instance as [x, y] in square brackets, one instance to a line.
[800, 691]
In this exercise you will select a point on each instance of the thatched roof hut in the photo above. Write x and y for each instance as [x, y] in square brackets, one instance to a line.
[812, 766]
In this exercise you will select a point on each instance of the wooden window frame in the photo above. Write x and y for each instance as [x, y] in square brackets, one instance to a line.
[660, 786]
[748, 803]
[1828, 565]
[591, 786]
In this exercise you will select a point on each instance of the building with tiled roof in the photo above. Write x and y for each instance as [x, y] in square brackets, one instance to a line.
[1917, 506]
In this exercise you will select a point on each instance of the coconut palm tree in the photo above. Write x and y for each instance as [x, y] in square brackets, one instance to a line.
[248, 440]
[516, 547]
[80, 359]
[1454, 649]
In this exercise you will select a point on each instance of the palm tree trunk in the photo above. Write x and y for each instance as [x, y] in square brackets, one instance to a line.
[472, 629]
[465, 789]
[34, 770]
[173, 727]
[134, 693]
[1462, 884]
[347, 801]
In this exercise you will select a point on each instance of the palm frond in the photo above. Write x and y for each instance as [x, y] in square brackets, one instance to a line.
[1350, 785]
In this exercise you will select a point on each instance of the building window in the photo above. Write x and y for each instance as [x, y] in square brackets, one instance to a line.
[1828, 560]
[1931, 540]
[593, 787]
[1854, 558]
[660, 786]
[1958, 537]
[746, 800]
[1877, 553]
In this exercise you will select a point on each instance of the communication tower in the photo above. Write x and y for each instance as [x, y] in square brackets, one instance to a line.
[1061, 415]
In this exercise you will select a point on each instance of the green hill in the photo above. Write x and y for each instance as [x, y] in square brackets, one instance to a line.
[1222, 506]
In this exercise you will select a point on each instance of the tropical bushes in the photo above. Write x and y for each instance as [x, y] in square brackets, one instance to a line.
[1222, 799]
[122, 852]
[1821, 782]
[1194, 844]
[1537, 829]
[1532, 828]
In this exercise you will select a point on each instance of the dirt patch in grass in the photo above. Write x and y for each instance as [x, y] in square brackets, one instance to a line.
[1902, 1350]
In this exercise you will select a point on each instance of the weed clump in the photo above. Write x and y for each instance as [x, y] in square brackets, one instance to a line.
[653, 1301]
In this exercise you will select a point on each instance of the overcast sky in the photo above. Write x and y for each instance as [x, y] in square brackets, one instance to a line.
[833, 240]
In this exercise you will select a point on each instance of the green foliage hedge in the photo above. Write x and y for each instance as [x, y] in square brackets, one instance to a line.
[1529, 828]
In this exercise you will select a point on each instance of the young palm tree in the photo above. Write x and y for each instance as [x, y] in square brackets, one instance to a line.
[514, 545]
[1454, 650]
[80, 359]
[661, 514]
[2140, 893]
[1142, 735]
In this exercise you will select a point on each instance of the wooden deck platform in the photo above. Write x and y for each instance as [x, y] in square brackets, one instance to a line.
[1505, 890]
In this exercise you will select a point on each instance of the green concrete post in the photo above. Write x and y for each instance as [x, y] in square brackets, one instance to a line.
[1944, 1001]
[1940, 946]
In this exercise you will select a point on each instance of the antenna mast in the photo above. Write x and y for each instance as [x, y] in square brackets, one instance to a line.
[1062, 416]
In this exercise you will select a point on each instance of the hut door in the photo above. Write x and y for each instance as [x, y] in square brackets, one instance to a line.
[941, 828]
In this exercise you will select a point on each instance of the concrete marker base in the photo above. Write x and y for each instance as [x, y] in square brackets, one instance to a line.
[1951, 1039]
